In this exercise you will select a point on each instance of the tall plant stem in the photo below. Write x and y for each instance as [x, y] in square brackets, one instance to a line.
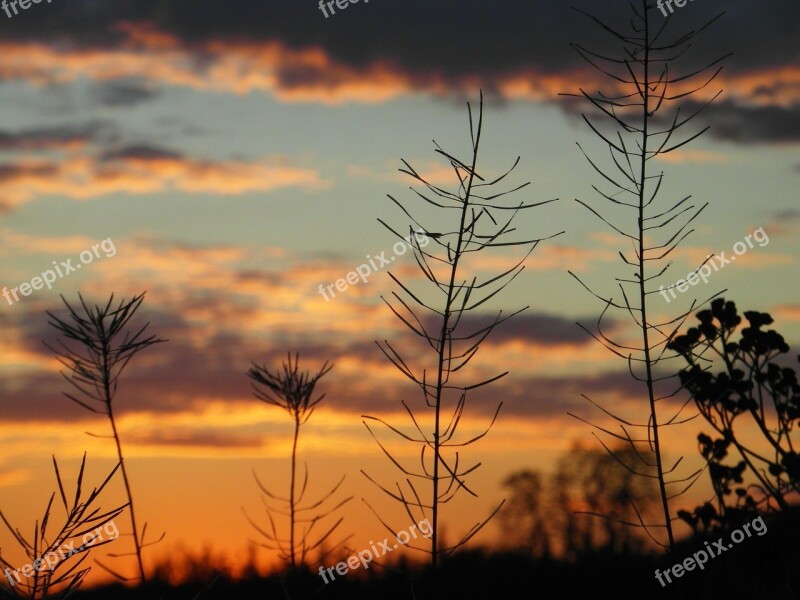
[292, 508]
[443, 340]
[136, 540]
[646, 115]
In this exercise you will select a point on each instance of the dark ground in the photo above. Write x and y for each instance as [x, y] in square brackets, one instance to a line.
[766, 567]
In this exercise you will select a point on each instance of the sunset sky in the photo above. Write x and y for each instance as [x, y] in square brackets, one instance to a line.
[239, 155]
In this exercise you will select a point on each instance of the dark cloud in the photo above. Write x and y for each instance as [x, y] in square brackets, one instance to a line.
[425, 36]
[547, 330]
[55, 137]
[194, 438]
[729, 120]
[8, 172]
[140, 152]
[555, 396]
[748, 124]
[450, 38]
[788, 214]
[123, 94]
[178, 375]
[522, 396]
[446, 48]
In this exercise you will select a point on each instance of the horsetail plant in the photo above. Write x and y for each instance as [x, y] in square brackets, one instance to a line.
[444, 320]
[640, 118]
[101, 344]
[293, 391]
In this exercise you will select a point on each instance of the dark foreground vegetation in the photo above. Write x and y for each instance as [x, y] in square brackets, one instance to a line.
[758, 567]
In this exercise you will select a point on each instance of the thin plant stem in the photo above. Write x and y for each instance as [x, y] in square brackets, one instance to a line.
[648, 363]
[443, 340]
[128, 491]
[292, 502]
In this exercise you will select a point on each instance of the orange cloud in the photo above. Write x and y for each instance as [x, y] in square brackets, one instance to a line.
[757, 256]
[83, 177]
[786, 312]
[693, 156]
[548, 256]
[14, 477]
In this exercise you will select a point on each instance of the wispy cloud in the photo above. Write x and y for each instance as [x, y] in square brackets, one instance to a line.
[135, 170]
[694, 156]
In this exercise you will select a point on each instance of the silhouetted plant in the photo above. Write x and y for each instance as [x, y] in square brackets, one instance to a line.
[751, 394]
[436, 317]
[294, 392]
[641, 120]
[100, 346]
[55, 559]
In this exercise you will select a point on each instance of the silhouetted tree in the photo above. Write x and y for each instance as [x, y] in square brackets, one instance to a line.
[524, 516]
[590, 482]
[554, 514]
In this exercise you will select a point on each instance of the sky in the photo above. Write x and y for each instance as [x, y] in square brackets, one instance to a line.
[231, 158]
